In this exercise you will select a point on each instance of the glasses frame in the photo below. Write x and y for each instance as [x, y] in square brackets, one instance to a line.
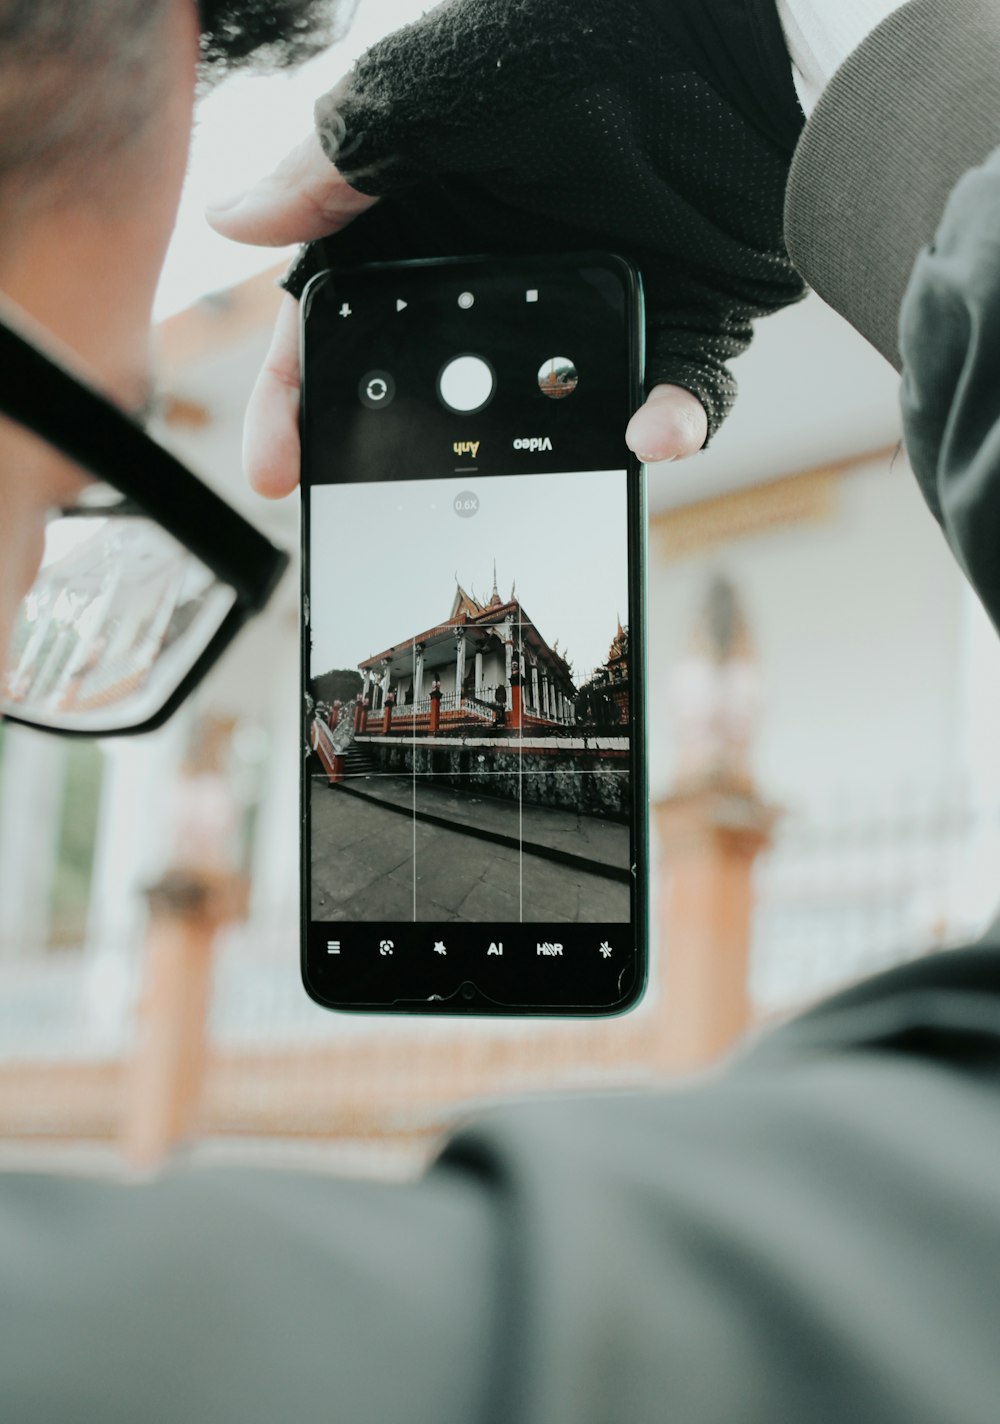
[61, 408]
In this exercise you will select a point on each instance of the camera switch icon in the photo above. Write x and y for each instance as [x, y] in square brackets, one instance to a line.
[376, 390]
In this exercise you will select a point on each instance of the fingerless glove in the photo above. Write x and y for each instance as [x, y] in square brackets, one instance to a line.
[520, 126]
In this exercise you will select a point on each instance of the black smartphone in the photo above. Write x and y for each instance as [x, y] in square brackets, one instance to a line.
[474, 804]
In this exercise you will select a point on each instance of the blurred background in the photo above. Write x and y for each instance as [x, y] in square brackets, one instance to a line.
[824, 698]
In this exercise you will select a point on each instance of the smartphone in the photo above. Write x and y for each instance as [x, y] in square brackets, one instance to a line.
[474, 803]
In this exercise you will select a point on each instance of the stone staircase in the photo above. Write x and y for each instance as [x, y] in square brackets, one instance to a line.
[359, 762]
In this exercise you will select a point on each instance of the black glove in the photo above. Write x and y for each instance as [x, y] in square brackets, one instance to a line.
[534, 126]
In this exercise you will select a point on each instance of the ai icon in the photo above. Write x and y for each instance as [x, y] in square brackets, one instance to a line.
[496, 947]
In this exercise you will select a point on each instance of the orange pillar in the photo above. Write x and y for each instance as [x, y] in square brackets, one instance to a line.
[435, 708]
[187, 910]
[710, 837]
[364, 715]
[390, 703]
[516, 696]
[515, 704]
[334, 716]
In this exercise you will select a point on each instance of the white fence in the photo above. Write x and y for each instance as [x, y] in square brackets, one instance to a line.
[869, 884]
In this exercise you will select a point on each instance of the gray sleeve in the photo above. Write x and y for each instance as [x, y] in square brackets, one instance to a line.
[244, 1296]
[817, 1244]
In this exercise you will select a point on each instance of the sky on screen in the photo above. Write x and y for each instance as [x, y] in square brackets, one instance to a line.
[385, 559]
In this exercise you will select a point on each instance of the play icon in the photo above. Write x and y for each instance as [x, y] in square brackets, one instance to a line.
[400, 304]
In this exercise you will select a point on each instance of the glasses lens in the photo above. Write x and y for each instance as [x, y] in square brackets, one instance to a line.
[118, 615]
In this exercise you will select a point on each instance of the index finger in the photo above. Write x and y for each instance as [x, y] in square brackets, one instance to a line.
[303, 199]
[271, 449]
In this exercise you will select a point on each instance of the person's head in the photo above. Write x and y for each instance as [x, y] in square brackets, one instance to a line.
[96, 102]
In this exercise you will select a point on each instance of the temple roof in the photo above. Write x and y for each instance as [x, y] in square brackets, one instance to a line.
[619, 643]
[468, 612]
[464, 605]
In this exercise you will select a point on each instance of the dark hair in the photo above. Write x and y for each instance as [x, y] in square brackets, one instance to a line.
[270, 34]
[79, 78]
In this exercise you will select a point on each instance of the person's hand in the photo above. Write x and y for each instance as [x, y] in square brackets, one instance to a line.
[530, 128]
[305, 199]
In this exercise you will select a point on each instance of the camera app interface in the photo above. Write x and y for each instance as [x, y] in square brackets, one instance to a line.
[470, 678]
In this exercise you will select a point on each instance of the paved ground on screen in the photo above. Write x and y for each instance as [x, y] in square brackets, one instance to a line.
[363, 859]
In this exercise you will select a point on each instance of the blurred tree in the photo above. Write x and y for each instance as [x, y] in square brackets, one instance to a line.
[338, 685]
[81, 799]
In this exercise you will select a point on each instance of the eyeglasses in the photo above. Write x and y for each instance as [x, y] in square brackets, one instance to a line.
[142, 585]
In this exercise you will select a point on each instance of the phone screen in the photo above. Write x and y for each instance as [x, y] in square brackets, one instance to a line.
[473, 799]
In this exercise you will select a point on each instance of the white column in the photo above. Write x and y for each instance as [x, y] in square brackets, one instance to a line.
[418, 677]
[509, 642]
[133, 832]
[274, 882]
[534, 687]
[545, 696]
[30, 800]
[479, 674]
[386, 684]
[979, 696]
[975, 888]
[459, 668]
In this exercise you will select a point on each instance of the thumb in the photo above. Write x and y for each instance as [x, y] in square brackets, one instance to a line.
[305, 198]
[671, 425]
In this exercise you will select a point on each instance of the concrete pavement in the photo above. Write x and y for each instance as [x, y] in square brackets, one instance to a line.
[370, 862]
